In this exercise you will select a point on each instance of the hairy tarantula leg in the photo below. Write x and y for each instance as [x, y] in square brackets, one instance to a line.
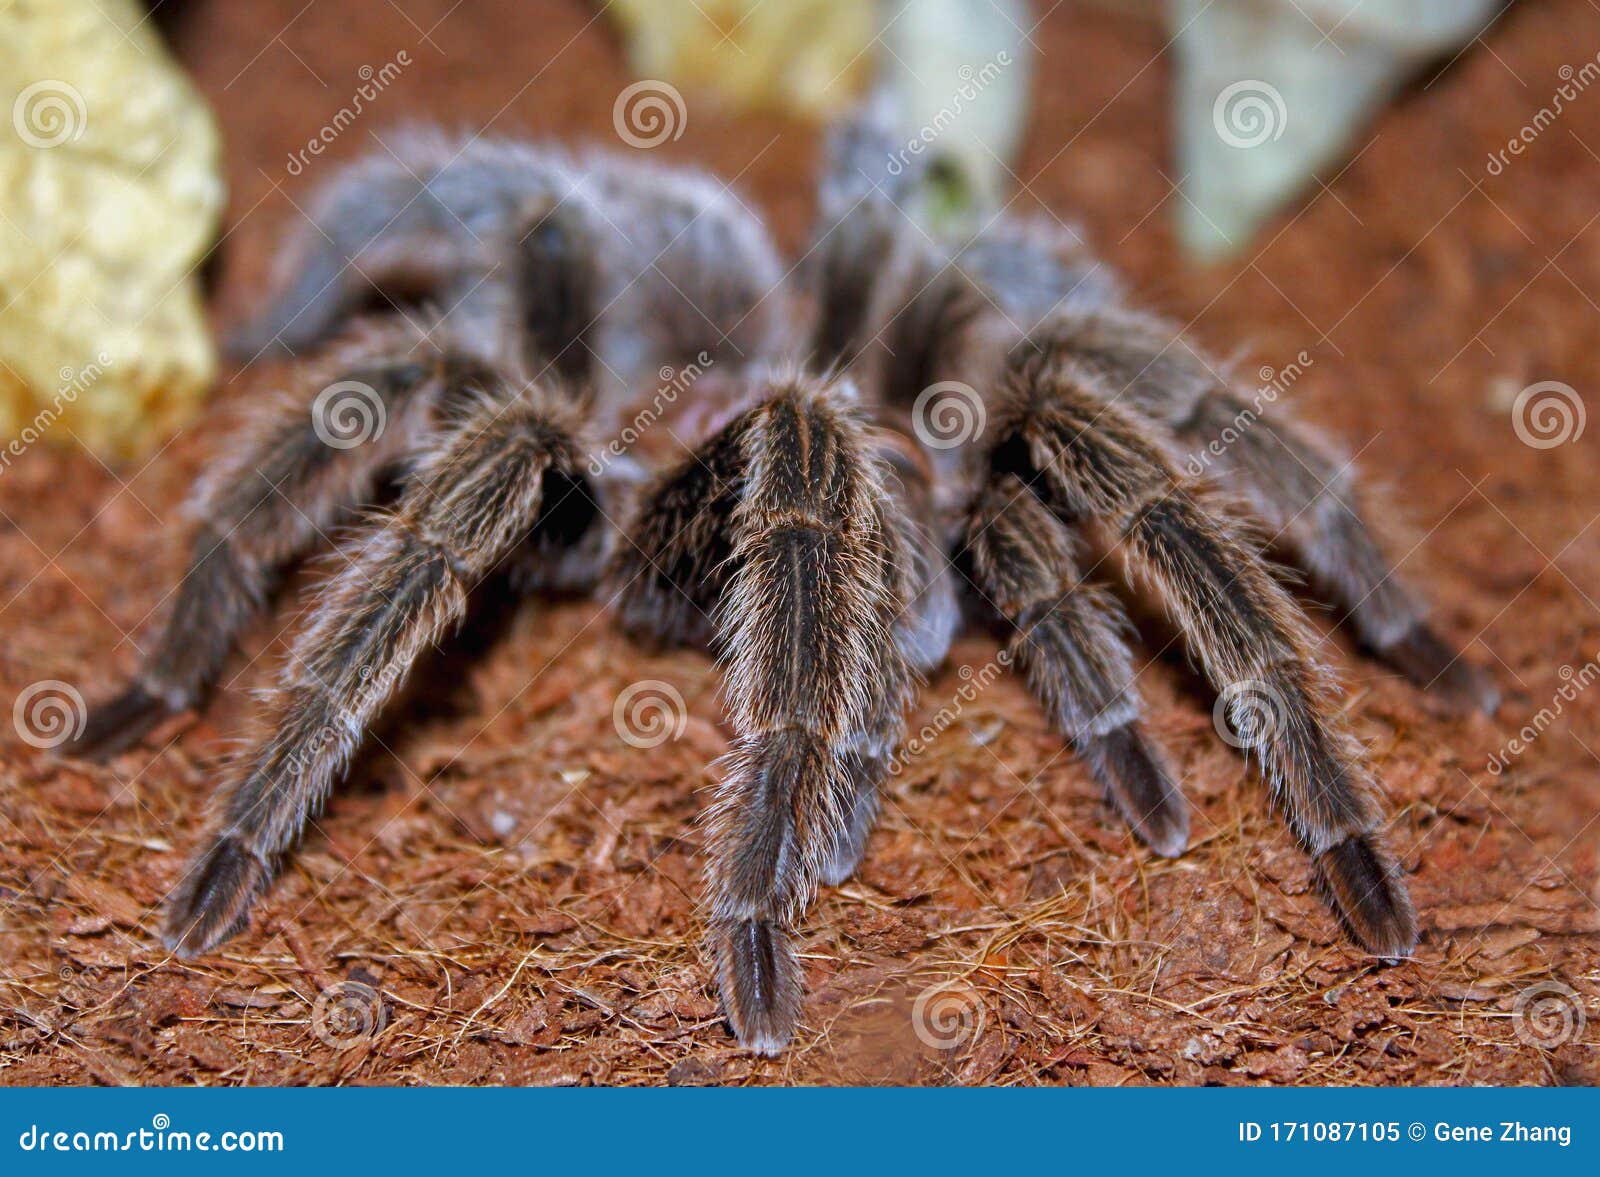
[1095, 463]
[919, 575]
[812, 665]
[333, 278]
[1069, 644]
[377, 224]
[674, 570]
[555, 302]
[866, 763]
[267, 502]
[1302, 495]
[864, 250]
[465, 508]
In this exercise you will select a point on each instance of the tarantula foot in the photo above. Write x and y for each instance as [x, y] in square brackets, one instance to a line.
[1433, 664]
[213, 901]
[1141, 789]
[118, 724]
[759, 975]
[1365, 889]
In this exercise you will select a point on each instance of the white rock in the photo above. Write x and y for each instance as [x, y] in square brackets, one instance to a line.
[1269, 92]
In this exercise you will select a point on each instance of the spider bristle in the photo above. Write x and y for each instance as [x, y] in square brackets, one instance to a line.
[213, 901]
[1365, 890]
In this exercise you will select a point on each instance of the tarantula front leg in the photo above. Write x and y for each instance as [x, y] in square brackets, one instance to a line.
[1308, 501]
[1095, 462]
[278, 491]
[1069, 644]
[813, 670]
[816, 680]
[487, 488]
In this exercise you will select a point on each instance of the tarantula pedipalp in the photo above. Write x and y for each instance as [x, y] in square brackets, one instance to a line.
[813, 538]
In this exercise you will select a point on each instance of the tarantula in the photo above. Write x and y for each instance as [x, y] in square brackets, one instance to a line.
[818, 539]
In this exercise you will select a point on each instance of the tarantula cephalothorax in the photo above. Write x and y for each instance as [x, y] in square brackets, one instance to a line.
[814, 539]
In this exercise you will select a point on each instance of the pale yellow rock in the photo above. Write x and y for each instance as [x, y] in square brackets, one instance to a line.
[806, 57]
[110, 194]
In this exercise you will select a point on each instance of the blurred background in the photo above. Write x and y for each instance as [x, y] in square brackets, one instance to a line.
[1396, 203]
